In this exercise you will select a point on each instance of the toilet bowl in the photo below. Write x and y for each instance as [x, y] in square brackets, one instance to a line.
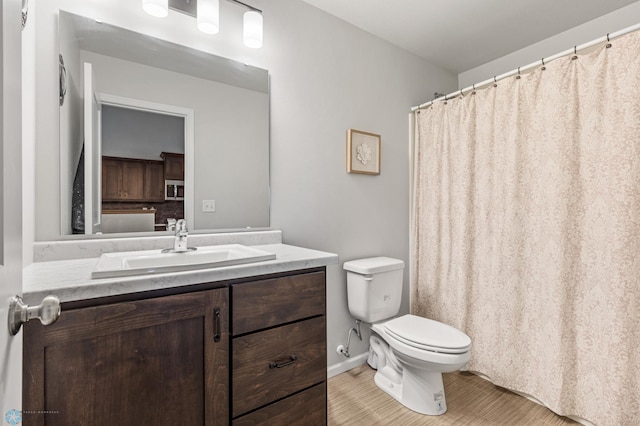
[418, 364]
[409, 352]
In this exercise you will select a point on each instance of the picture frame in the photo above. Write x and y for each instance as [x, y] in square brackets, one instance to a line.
[363, 152]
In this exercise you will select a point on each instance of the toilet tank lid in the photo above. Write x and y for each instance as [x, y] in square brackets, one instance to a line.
[373, 265]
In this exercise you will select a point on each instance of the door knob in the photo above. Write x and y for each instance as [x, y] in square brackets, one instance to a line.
[47, 312]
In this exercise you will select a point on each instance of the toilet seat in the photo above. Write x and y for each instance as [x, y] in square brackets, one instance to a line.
[429, 335]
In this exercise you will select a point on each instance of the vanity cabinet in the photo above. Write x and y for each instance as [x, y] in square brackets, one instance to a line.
[250, 351]
[158, 361]
[130, 179]
[278, 351]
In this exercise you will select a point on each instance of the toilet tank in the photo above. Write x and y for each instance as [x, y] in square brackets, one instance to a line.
[374, 288]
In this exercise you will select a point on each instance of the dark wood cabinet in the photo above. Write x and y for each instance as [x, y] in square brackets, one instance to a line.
[130, 179]
[160, 361]
[173, 165]
[133, 180]
[154, 181]
[112, 179]
[279, 350]
[184, 359]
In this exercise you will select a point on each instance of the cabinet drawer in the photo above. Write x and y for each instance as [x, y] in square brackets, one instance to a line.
[308, 408]
[257, 381]
[268, 303]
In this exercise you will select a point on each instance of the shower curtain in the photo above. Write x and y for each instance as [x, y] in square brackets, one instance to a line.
[526, 230]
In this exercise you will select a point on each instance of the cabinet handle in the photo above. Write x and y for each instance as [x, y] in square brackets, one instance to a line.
[217, 325]
[290, 361]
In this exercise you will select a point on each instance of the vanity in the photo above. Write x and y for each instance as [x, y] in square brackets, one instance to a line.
[242, 344]
[236, 344]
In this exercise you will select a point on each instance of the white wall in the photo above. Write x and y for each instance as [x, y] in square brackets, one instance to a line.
[594, 29]
[28, 139]
[326, 77]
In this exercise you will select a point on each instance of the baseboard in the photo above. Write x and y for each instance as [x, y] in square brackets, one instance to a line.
[348, 364]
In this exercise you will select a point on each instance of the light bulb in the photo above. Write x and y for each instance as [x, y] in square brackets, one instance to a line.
[208, 16]
[252, 32]
[157, 8]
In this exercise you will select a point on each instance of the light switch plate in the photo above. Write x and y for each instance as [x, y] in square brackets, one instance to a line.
[208, 206]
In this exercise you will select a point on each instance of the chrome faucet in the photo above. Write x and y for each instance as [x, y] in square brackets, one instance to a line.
[180, 241]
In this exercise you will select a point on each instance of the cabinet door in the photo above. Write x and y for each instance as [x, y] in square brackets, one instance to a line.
[173, 166]
[154, 181]
[133, 180]
[111, 179]
[161, 361]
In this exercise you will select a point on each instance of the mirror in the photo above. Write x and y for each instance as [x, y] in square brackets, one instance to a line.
[134, 111]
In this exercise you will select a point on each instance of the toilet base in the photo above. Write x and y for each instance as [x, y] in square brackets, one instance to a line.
[424, 394]
[416, 388]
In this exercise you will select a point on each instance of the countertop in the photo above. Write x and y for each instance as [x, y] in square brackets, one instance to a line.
[70, 280]
[129, 211]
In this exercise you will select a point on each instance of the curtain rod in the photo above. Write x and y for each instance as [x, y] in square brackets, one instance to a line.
[574, 50]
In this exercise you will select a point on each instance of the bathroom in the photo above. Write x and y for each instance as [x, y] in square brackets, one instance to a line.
[326, 76]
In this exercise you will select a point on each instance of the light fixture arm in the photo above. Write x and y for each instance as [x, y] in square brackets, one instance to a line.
[245, 5]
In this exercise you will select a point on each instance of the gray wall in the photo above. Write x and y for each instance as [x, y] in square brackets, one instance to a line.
[326, 77]
[330, 76]
[594, 29]
[132, 133]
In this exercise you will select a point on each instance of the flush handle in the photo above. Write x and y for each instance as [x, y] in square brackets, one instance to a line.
[290, 360]
[47, 312]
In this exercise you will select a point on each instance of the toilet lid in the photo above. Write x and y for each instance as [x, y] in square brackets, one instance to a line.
[428, 334]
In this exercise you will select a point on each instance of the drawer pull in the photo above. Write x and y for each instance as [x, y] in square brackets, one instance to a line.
[289, 361]
[217, 326]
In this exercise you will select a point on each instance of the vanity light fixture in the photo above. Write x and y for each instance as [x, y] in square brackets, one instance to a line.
[207, 14]
[252, 29]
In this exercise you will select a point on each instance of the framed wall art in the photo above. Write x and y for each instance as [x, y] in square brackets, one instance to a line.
[363, 152]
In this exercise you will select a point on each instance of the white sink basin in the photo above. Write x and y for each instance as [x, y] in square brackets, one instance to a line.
[155, 262]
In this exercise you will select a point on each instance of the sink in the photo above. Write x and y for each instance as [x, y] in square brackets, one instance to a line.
[155, 262]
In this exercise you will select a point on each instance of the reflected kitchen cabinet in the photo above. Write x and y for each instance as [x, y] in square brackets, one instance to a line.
[127, 179]
[173, 166]
[154, 181]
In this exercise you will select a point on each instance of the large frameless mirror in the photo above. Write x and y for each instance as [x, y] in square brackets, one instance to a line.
[152, 131]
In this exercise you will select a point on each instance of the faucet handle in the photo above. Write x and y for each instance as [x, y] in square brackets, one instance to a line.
[181, 225]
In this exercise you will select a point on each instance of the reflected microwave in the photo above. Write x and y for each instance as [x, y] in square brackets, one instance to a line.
[174, 190]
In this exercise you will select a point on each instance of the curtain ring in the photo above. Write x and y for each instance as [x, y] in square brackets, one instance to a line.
[518, 76]
[608, 41]
[495, 82]
[474, 89]
[575, 53]
[543, 65]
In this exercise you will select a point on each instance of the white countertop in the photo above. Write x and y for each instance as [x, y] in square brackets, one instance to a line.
[70, 280]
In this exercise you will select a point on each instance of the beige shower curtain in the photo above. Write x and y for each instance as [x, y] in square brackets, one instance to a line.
[527, 230]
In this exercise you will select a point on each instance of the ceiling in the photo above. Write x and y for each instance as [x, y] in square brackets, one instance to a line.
[462, 34]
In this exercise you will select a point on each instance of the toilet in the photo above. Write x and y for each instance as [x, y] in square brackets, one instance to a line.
[409, 352]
